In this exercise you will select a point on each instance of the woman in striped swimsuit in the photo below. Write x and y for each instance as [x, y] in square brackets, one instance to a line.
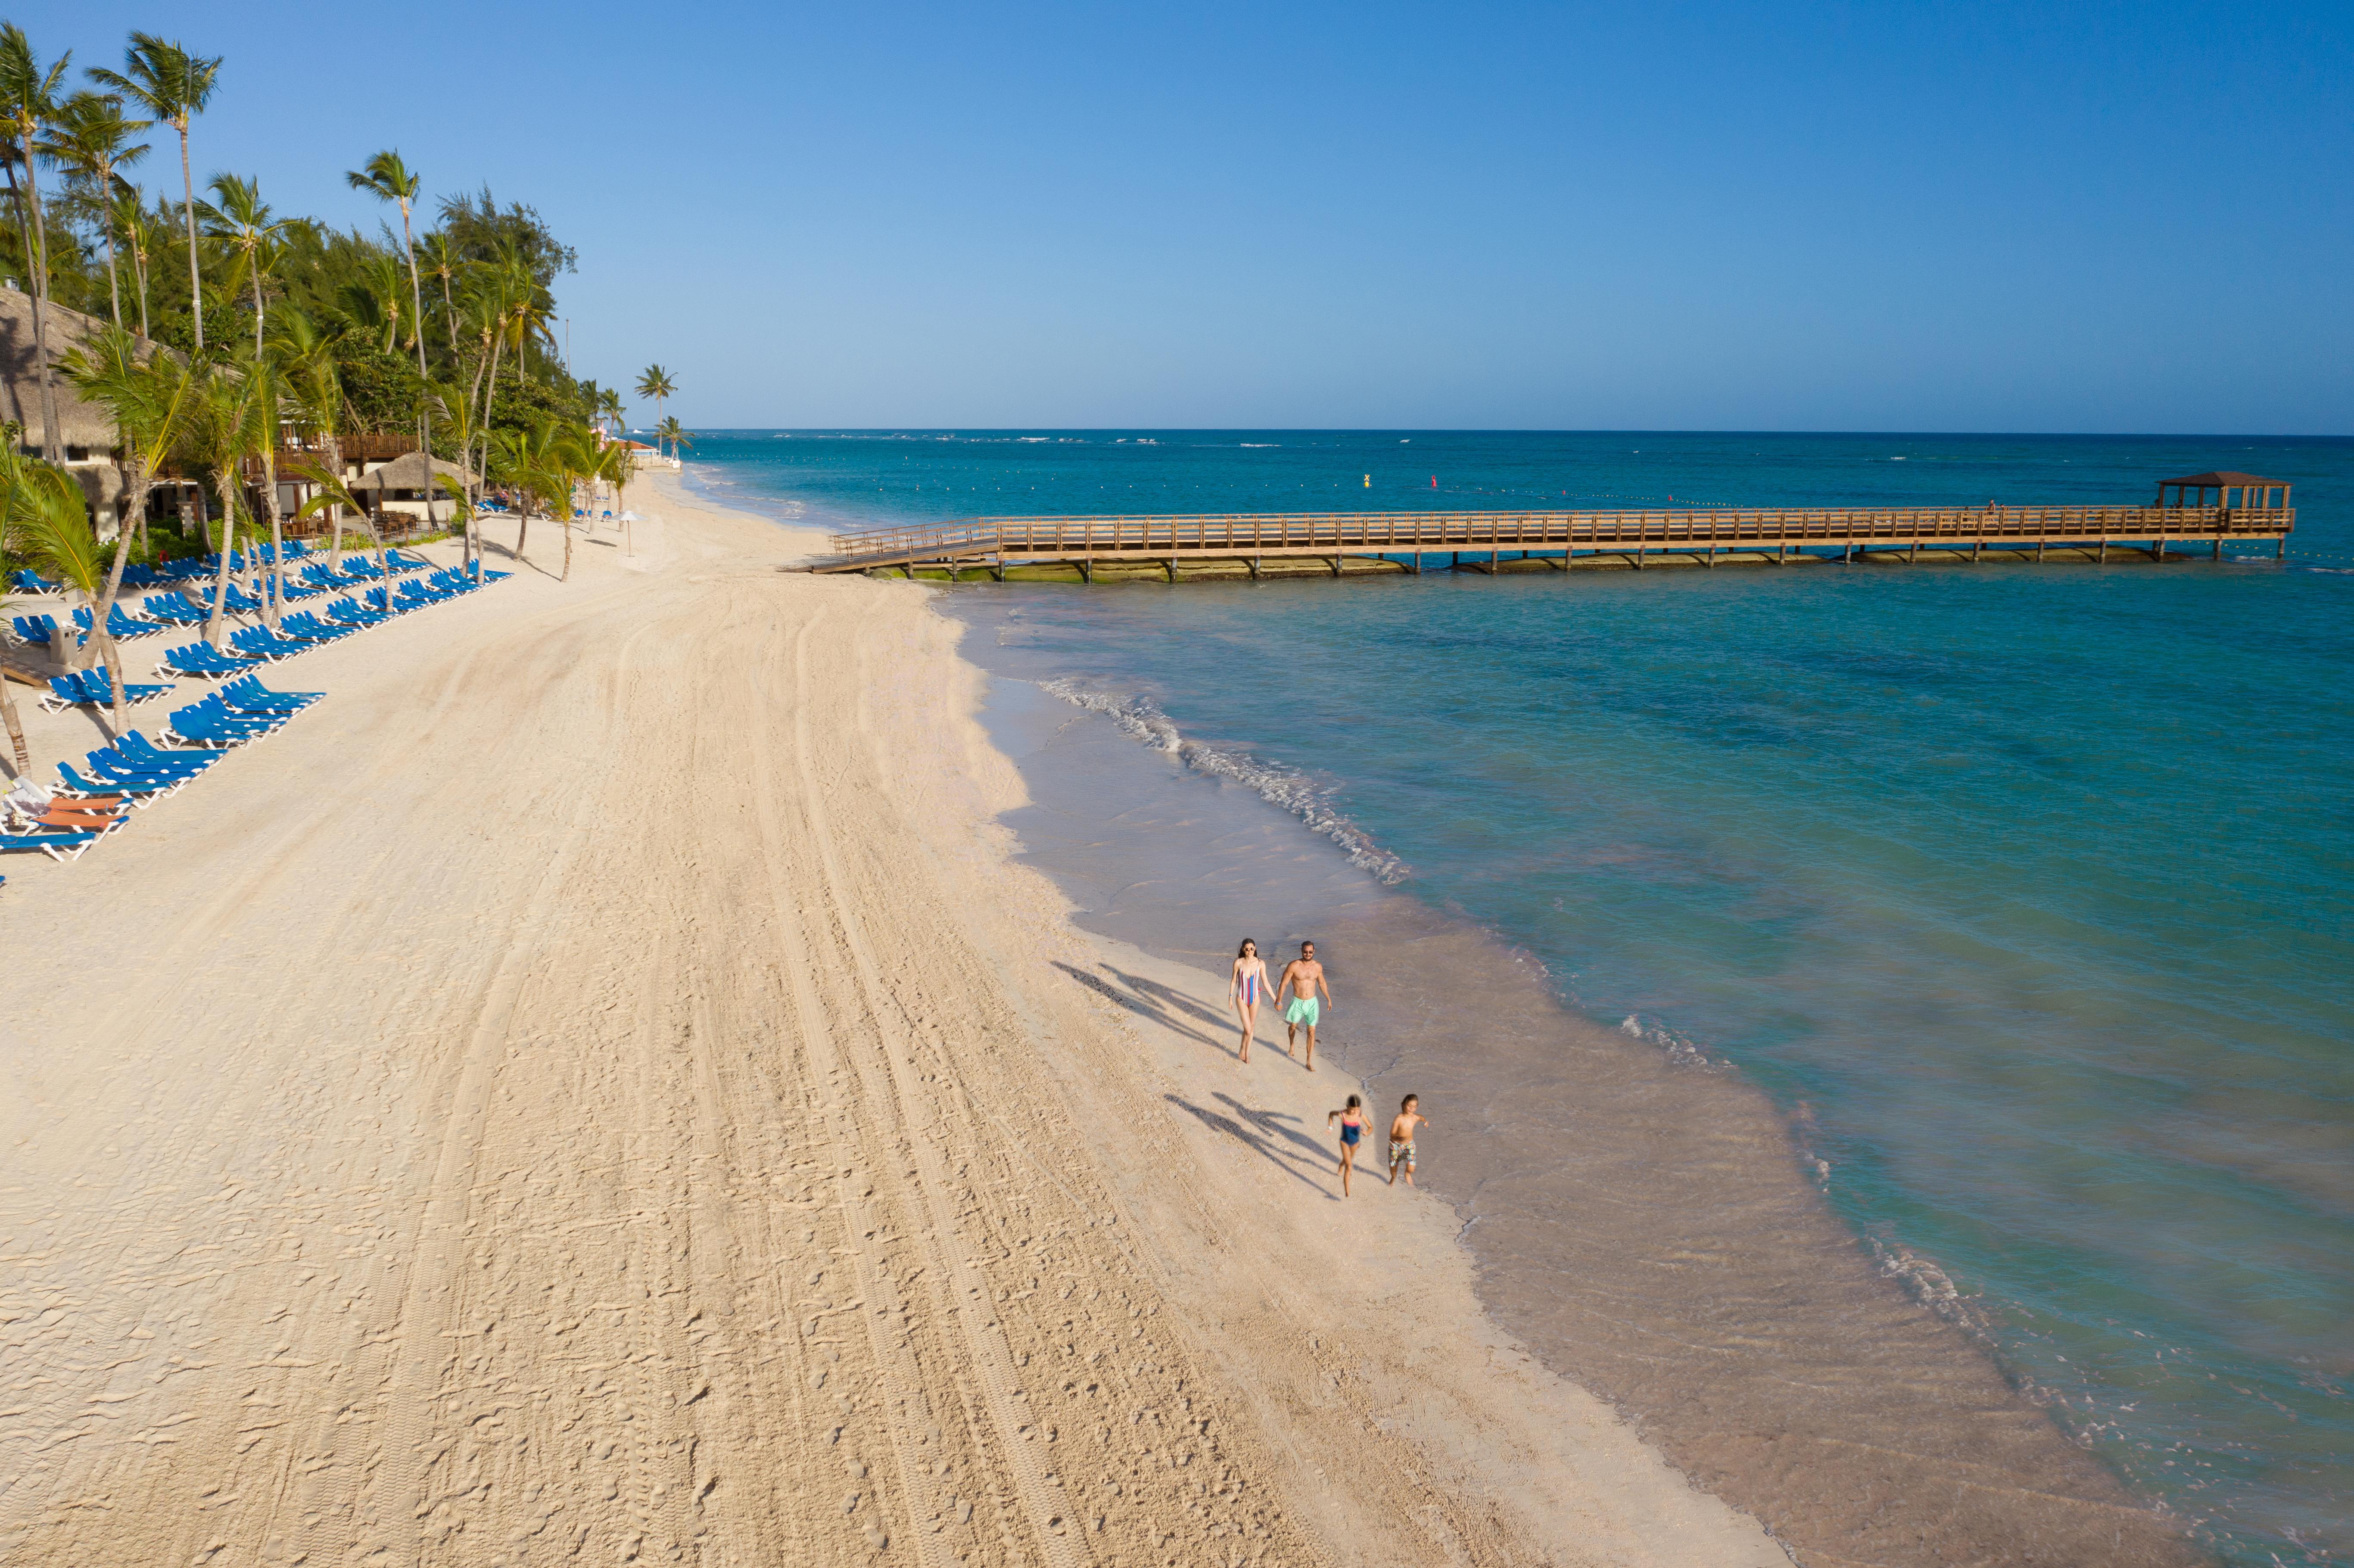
[1243, 990]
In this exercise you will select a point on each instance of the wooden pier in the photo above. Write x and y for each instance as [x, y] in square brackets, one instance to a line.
[1487, 540]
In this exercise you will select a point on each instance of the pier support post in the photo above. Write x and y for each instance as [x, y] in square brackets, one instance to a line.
[1711, 556]
[1254, 568]
[1000, 570]
[1977, 549]
[2280, 549]
[1336, 566]
[1782, 556]
[2102, 556]
[1639, 557]
[1414, 563]
[2219, 546]
[2158, 548]
[1913, 556]
[1087, 570]
[1170, 566]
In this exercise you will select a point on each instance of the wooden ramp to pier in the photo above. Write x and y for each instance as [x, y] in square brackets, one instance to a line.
[1404, 538]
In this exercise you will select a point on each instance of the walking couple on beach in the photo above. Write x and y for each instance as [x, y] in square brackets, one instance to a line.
[1303, 977]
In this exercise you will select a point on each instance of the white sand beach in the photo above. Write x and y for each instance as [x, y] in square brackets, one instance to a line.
[594, 1088]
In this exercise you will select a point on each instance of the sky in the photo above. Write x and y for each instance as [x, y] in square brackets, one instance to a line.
[1882, 217]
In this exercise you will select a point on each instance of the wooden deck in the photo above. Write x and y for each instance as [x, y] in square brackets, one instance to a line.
[1401, 539]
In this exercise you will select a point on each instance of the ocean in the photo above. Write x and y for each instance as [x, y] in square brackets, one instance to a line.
[2012, 902]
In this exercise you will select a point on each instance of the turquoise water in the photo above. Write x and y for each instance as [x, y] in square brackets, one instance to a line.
[2024, 892]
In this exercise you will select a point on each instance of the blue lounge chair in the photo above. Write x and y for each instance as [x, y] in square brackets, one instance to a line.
[201, 661]
[41, 630]
[127, 628]
[57, 846]
[143, 756]
[307, 625]
[400, 562]
[351, 613]
[153, 789]
[237, 601]
[30, 581]
[247, 694]
[211, 723]
[259, 642]
[173, 608]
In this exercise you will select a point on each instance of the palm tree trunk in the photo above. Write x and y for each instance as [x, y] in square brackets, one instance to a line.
[52, 441]
[189, 208]
[274, 602]
[106, 208]
[142, 483]
[336, 508]
[139, 271]
[257, 306]
[226, 477]
[15, 728]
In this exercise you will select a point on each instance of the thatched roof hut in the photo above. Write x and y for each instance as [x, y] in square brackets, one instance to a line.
[86, 429]
[406, 473]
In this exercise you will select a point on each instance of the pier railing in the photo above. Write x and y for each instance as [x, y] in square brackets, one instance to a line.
[1250, 535]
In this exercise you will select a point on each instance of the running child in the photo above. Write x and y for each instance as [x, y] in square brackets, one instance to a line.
[1402, 1128]
[1351, 1119]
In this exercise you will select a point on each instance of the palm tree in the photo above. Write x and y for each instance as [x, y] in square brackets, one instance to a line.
[657, 385]
[609, 406]
[313, 392]
[617, 465]
[148, 399]
[239, 218]
[329, 494]
[386, 178]
[170, 85]
[442, 262]
[92, 142]
[141, 232]
[29, 101]
[228, 422]
[54, 534]
[673, 432]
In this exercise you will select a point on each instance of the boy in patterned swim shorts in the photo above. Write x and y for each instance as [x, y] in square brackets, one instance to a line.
[1401, 1138]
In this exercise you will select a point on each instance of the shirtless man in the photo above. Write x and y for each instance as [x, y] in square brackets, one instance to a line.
[1303, 977]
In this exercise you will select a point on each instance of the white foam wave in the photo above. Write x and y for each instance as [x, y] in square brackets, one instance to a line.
[1929, 1284]
[1141, 719]
[1679, 1048]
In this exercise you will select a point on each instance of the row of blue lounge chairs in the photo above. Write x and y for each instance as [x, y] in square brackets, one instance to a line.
[159, 612]
[254, 646]
[181, 568]
[94, 686]
[134, 772]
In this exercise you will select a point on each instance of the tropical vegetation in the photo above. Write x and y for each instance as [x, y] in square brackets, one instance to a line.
[239, 344]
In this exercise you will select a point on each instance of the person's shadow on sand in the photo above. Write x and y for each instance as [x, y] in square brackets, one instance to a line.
[1143, 1004]
[1283, 1159]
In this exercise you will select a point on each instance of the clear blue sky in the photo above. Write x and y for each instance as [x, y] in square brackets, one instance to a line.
[2133, 217]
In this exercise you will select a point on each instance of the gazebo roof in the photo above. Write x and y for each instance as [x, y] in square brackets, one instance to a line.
[408, 473]
[2218, 480]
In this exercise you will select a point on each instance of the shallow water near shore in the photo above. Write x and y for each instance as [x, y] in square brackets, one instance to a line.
[2020, 894]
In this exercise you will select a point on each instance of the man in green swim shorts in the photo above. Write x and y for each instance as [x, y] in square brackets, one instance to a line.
[1303, 977]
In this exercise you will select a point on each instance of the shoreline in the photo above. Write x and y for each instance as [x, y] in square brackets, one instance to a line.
[595, 1085]
[1688, 1271]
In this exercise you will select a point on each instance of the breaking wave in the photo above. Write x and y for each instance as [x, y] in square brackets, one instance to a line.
[1141, 719]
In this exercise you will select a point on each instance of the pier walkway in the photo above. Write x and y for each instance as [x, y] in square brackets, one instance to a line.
[1482, 540]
